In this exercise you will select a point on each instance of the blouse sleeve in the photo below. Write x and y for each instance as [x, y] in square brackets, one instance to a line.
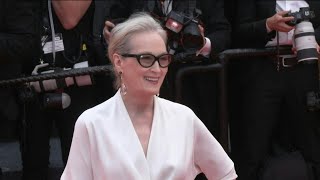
[79, 161]
[209, 156]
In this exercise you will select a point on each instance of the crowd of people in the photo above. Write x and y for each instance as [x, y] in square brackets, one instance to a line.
[127, 126]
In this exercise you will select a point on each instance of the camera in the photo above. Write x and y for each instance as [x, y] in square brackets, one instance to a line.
[304, 14]
[52, 100]
[53, 84]
[304, 37]
[55, 100]
[184, 36]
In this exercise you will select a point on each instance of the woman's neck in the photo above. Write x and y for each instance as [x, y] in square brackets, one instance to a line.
[140, 110]
[139, 107]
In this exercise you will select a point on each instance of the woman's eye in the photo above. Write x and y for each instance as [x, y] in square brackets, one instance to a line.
[146, 57]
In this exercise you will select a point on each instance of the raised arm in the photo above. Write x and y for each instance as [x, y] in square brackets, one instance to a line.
[217, 28]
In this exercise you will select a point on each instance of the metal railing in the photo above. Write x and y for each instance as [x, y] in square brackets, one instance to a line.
[106, 69]
[221, 68]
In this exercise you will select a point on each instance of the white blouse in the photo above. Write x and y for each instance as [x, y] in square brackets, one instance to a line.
[106, 146]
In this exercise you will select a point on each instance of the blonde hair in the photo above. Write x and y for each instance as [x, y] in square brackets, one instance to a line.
[121, 34]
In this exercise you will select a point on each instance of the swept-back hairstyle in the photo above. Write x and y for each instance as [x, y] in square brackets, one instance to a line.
[121, 34]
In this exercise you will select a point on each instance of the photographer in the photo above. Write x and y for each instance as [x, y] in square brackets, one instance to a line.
[199, 90]
[214, 25]
[70, 22]
[269, 93]
[18, 39]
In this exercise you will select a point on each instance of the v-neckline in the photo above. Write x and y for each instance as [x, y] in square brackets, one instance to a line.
[136, 137]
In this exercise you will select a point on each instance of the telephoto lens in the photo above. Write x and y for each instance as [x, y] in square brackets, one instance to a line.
[56, 101]
[305, 42]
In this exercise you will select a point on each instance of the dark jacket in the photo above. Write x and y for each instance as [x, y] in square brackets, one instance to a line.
[18, 30]
[217, 27]
[250, 22]
[18, 42]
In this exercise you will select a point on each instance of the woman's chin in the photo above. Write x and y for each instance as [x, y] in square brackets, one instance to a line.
[153, 91]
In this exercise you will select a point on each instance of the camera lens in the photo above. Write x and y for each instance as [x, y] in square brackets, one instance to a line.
[191, 37]
[56, 100]
[305, 41]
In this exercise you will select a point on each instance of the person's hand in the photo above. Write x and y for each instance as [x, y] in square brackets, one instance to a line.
[108, 25]
[278, 22]
[201, 29]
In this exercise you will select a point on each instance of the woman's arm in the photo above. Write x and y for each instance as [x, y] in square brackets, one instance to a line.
[79, 165]
[209, 156]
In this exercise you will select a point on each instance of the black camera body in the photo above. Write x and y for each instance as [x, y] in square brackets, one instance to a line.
[184, 36]
[304, 14]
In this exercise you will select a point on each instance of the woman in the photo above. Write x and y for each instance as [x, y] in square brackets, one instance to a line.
[137, 135]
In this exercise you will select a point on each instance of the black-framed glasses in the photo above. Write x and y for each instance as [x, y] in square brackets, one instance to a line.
[147, 60]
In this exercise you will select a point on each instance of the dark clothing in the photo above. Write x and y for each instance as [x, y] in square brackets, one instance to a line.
[39, 120]
[18, 30]
[39, 128]
[216, 26]
[269, 106]
[200, 90]
[18, 41]
[251, 22]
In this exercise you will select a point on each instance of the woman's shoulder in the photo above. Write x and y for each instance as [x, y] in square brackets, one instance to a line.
[174, 107]
[98, 112]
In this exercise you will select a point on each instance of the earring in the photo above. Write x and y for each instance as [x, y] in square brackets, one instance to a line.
[123, 88]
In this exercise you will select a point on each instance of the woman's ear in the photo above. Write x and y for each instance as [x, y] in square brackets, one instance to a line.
[117, 62]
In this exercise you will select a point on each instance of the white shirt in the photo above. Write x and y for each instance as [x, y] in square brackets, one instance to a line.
[166, 6]
[105, 146]
[285, 38]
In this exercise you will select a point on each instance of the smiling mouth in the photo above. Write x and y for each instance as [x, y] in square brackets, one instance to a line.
[152, 79]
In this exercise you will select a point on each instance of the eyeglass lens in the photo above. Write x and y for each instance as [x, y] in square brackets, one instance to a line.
[147, 60]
